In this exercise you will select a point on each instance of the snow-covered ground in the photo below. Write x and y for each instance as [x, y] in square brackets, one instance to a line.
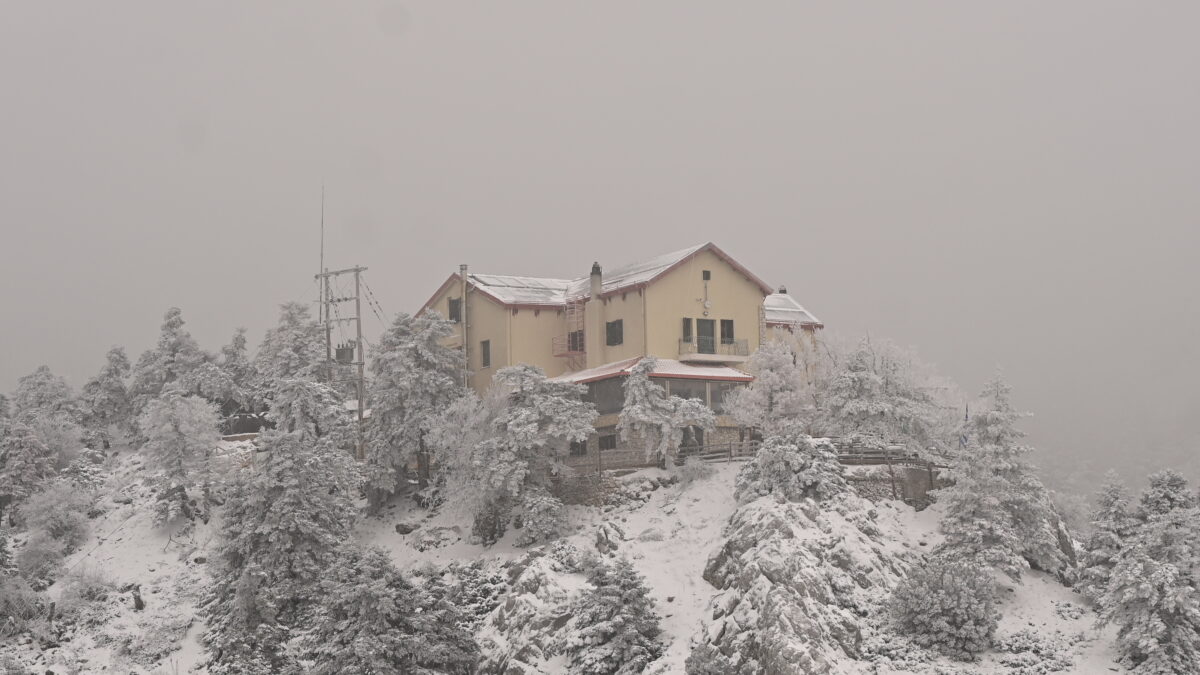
[668, 531]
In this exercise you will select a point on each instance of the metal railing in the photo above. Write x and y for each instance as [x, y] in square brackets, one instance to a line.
[709, 345]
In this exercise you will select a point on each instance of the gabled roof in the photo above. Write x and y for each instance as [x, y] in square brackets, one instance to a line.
[781, 309]
[664, 368]
[513, 291]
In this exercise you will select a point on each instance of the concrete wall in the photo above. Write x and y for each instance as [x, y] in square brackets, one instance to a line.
[680, 294]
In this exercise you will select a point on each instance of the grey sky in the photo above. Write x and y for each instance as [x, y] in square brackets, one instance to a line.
[1013, 184]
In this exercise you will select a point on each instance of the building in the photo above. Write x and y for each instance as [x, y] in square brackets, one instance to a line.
[698, 310]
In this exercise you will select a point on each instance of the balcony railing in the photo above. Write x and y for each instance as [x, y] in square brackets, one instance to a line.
[720, 347]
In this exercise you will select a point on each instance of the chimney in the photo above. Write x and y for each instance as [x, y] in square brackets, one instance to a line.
[593, 325]
[783, 290]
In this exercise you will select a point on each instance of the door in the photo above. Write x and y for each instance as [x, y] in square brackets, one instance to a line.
[706, 334]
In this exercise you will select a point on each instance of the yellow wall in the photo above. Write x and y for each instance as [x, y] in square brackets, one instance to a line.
[531, 338]
[629, 308]
[680, 294]
[487, 320]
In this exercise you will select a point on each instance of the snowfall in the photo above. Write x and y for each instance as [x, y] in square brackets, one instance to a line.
[680, 535]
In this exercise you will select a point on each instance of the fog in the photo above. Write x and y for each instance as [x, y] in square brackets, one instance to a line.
[1008, 185]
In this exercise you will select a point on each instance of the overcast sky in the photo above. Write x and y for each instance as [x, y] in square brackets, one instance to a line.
[1014, 184]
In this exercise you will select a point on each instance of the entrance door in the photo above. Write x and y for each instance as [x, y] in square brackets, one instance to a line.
[706, 334]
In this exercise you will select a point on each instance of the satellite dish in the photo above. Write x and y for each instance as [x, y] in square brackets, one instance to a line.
[707, 304]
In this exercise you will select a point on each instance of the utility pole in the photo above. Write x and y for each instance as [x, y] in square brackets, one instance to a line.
[357, 356]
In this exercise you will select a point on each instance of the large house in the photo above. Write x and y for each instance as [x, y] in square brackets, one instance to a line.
[699, 311]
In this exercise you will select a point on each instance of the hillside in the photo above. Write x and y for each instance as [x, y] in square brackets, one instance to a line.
[768, 580]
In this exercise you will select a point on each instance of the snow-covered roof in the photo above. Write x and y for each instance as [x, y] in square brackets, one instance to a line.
[542, 291]
[664, 368]
[782, 309]
[512, 290]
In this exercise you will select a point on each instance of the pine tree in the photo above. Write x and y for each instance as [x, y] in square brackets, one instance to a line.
[1152, 595]
[659, 420]
[5, 411]
[997, 511]
[1168, 491]
[293, 349]
[105, 397]
[213, 383]
[25, 462]
[1113, 526]
[778, 399]
[284, 520]
[617, 630]
[517, 438]
[791, 466]
[172, 359]
[372, 620]
[414, 378]
[950, 606]
[181, 434]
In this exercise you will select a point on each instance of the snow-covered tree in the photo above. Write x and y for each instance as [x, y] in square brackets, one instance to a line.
[617, 631]
[997, 512]
[172, 359]
[42, 392]
[235, 359]
[497, 449]
[105, 397]
[1168, 491]
[878, 395]
[5, 411]
[213, 383]
[793, 467]
[1152, 595]
[659, 420]
[1113, 525]
[372, 620]
[947, 605]
[181, 433]
[284, 519]
[293, 349]
[414, 378]
[25, 462]
[779, 398]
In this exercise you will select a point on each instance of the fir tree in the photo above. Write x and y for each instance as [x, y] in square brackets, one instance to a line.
[44, 393]
[181, 434]
[213, 383]
[5, 411]
[877, 396]
[1168, 491]
[105, 397]
[172, 359]
[1152, 595]
[25, 462]
[659, 420]
[950, 606]
[293, 349]
[793, 467]
[617, 630]
[517, 438]
[1113, 525]
[414, 378]
[778, 398]
[373, 620]
[997, 511]
[235, 361]
[284, 519]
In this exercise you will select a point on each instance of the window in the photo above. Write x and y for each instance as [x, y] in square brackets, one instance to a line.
[608, 442]
[689, 388]
[578, 448]
[707, 275]
[687, 329]
[607, 395]
[719, 390]
[485, 353]
[726, 331]
[455, 313]
[575, 341]
[614, 332]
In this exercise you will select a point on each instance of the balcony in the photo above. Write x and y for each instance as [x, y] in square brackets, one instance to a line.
[703, 349]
